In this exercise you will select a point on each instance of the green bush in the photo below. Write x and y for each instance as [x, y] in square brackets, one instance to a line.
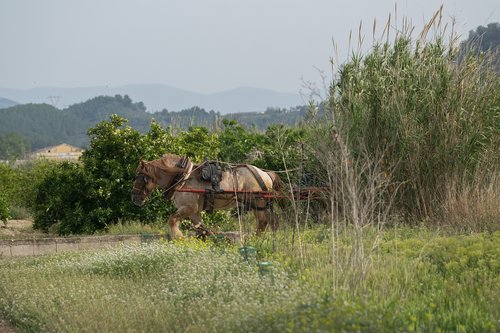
[88, 196]
[4, 208]
[62, 200]
[17, 182]
[8, 179]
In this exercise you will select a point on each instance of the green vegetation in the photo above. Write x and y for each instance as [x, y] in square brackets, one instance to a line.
[42, 125]
[13, 146]
[4, 209]
[414, 282]
[405, 238]
[73, 198]
[410, 122]
[484, 41]
[407, 132]
[19, 185]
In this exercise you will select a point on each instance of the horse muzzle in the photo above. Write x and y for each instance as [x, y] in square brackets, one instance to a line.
[138, 200]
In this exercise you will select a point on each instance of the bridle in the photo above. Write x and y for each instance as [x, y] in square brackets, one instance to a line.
[177, 181]
[144, 179]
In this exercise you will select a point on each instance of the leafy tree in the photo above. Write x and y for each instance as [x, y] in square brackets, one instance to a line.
[89, 196]
[114, 153]
[61, 199]
[13, 146]
[27, 179]
[159, 141]
[8, 178]
[237, 143]
[283, 148]
[198, 144]
[483, 40]
[11, 189]
[4, 208]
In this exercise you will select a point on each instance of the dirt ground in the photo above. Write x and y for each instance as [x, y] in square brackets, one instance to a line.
[5, 326]
[15, 229]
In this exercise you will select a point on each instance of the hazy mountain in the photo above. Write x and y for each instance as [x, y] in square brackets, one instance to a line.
[158, 97]
[6, 103]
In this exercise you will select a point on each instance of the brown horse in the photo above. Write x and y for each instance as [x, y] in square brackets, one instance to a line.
[182, 182]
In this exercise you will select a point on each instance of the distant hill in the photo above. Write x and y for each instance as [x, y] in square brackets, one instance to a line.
[159, 97]
[6, 103]
[44, 125]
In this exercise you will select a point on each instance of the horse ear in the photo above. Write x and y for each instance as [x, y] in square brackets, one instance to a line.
[143, 164]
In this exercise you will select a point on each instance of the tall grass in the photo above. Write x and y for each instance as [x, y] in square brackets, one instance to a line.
[472, 206]
[426, 119]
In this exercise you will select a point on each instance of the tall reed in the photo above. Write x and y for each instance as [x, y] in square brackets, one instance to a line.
[426, 118]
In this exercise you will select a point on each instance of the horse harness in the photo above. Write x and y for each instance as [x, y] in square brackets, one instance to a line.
[179, 178]
[247, 205]
[211, 171]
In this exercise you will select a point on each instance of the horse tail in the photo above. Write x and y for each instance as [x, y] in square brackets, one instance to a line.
[277, 183]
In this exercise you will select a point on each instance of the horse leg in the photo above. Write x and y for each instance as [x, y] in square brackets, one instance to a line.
[176, 218]
[262, 220]
[196, 219]
[199, 228]
[273, 217]
[264, 217]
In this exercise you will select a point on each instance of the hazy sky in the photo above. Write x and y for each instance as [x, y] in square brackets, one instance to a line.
[199, 45]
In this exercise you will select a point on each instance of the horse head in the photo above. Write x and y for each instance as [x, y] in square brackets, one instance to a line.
[143, 184]
[165, 172]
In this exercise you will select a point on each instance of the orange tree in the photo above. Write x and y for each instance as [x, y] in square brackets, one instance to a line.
[88, 196]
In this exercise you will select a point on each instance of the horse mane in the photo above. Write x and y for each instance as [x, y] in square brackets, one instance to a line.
[166, 164]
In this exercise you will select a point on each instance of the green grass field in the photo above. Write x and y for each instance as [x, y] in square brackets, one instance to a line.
[402, 279]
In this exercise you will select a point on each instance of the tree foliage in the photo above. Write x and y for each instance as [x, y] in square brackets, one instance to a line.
[41, 125]
[13, 146]
[484, 41]
[4, 208]
[88, 196]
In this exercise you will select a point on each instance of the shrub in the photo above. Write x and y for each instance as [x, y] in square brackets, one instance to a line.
[62, 199]
[4, 208]
[88, 196]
